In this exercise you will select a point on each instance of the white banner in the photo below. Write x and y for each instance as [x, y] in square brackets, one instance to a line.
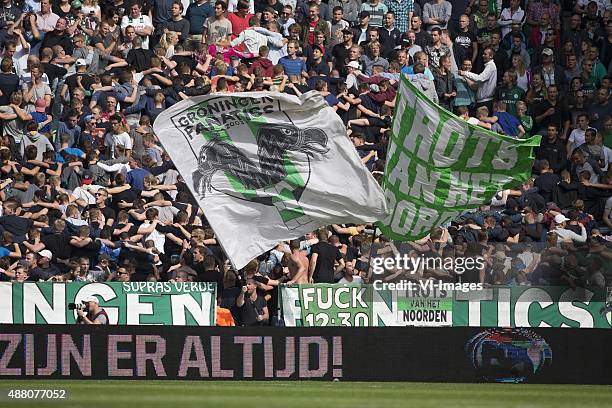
[267, 167]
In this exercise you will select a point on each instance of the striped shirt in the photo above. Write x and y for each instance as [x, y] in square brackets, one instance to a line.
[377, 13]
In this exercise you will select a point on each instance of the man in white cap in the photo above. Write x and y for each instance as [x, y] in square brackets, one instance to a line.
[44, 269]
[565, 234]
[92, 313]
[351, 77]
[80, 79]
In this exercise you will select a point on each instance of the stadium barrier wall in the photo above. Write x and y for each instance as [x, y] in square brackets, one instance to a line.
[542, 355]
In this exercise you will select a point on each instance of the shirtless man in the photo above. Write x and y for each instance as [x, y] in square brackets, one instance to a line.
[297, 263]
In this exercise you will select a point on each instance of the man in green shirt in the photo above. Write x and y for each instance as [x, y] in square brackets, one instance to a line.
[509, 92]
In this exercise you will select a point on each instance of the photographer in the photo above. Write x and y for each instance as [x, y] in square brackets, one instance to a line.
[253, 309]
[91, 312]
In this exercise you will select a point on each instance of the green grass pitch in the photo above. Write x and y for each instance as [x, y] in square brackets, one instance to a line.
[315, 394]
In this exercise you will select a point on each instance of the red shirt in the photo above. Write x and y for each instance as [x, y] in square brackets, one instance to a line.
[312, 25]
[239, 24]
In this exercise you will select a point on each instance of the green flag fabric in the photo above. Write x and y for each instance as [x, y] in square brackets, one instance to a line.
[439, 166]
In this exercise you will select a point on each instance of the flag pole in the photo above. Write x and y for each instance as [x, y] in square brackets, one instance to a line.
[371, 253]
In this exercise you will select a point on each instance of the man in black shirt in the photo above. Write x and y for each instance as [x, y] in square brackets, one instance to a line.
[138, 57]
[465, 43]
[44, 269]
[9, 82]
[389, 36]
[59, 36]
[552, 150]
[14, 224]
[57, 241]
[81, 75]
[547, 181]
[206, 268]
[52, 71]
[422, 37]
[178, 24]
[109, 213]
[552, 111]
[322, 260]
[341, 51]
[253, 309]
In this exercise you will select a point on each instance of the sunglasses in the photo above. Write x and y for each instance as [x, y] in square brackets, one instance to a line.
[100, 195]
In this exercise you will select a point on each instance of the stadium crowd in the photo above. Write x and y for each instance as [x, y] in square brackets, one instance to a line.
[88, 193]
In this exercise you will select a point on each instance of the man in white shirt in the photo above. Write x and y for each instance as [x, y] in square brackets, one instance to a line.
[253, 39]
[606, 152]
[45, 18]
[510, 15]
[286, 19]
[349, 275]
[576, 138]
[141, 23]
[117, 137]
[487, 79]
[565, 234]
[150, 233]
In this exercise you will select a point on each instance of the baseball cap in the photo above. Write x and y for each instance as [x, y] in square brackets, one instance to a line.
[91, 299]
[353, 64]
[547, 51]
[103, 257]
[87, 177]
[76, 4]
[347, 31]
[45, 253]
[364, 14]
[559, 218]
[40, 105]
[81, 62]
[41, 195]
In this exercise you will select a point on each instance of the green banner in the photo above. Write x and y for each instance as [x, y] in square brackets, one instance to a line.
[129, 303]
[364, 305]
[439, 166]
[528, 306]
[371, 305]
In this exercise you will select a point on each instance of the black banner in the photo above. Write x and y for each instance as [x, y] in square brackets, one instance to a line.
[542, 355]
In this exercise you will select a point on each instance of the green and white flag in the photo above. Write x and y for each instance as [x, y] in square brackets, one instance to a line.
[267, 167]
[439, 166]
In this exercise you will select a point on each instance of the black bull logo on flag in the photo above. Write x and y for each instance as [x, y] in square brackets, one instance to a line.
[273, 142]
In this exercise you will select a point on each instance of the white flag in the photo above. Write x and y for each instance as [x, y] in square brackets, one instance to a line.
[267, 167]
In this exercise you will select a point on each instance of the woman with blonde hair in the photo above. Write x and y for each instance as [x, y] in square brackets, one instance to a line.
[90, 7]
[167, 42]
[523, 76]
